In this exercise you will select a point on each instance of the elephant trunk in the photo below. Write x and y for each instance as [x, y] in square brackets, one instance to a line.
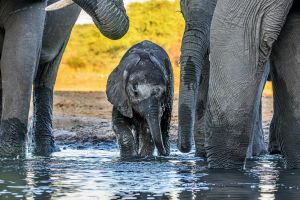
[189, 85]
[153, 120]
[194, 53]
[108, 15]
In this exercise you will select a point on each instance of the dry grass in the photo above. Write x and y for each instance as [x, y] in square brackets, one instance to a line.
[85, 79]
[70, 79]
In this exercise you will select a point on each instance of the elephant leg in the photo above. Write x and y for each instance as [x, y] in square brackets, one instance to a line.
[146, 144]
[166, 136]
[257, 143]
[242, 36]
[1, 47]
[41, 127]
[166, 119]
[258, 146]
[20, 55]
[195, 43]
[55, 37]
[199, 132]
[286, 86]
[274, 147]
[122, 126]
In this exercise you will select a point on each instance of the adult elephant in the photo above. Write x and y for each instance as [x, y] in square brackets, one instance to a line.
[194, 80]
[285, 74]
[242, 36]
[32, 43]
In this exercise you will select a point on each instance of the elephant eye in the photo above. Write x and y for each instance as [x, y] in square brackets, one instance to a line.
[158, 92]
[135, 93]
[133, 90]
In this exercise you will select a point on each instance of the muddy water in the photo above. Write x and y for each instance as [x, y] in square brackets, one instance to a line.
[96, 172]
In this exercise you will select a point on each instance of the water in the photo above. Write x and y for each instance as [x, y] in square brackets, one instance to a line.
[96, 172]
[99, 174]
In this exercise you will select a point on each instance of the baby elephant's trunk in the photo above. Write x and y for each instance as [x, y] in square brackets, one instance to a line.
[153, 120]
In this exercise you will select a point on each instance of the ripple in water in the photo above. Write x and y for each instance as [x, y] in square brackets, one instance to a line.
[100, 174]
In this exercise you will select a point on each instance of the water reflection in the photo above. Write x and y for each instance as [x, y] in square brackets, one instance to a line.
[288, 185]
[222, 184]
[21, 179]
[39, 178]
[12, 179]
[99, 174]
[266, 169]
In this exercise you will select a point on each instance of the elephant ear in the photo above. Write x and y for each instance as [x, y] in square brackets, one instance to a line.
[116, 83]
[159, 64]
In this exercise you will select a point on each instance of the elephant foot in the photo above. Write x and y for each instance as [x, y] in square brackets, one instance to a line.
[199, 146]
[126, 155]
[229, 154]
[145, 154]
[12, 138]
[200, 153]
[274, 149]
[220, 158]
[259, 149]
[44, 146]
[225, 163]
[128, 152]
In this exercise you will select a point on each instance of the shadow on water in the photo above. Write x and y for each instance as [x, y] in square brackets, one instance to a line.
[99, 174]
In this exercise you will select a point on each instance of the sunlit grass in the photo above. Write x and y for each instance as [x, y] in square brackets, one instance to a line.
[268, 89]
[90, 57]
[86, 79]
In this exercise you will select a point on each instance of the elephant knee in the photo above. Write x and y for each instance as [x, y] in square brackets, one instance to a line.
[125, 138]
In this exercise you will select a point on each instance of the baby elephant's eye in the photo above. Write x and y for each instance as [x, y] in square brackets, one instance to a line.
[156, 92]
[135, 93]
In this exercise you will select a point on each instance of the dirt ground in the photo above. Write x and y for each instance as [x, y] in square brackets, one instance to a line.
[89, 104]
[85, 118]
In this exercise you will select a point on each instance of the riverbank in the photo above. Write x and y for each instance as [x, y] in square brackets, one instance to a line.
[84, 118]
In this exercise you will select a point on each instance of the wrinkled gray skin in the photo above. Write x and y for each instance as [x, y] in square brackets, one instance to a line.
[141, 91]
[285, 74]
[242, 35]
[194, 80]
[32, 43]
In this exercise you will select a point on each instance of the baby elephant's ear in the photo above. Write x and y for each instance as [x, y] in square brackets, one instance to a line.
[160, 65]
[115, 87]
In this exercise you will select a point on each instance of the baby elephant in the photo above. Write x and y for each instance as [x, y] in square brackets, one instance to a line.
[141, 91]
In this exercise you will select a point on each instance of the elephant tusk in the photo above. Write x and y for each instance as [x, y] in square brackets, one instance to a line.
[59, 5]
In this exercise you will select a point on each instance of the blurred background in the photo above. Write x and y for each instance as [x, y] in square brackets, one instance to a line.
[90, 57]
